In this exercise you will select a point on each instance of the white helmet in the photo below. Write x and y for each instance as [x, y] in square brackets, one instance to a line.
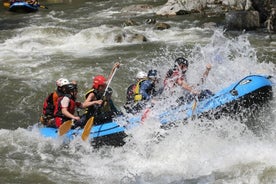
[141, 75]
[61, 82]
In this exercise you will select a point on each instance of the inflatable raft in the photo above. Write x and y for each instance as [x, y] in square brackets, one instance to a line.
[110, 134]
[23, 7]
[250, 92]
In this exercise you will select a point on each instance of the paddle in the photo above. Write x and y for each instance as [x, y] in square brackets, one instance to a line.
[203, 79]
[145, 115]
[87, 129]
[65, 127]
[194, 107]
[6, 4]
[89, 123]
[44, 7]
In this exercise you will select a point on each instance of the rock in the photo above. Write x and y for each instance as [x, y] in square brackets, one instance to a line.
[239, 20]
[161, 26]
[130, 37]
[264, 8]
[137, 8]
[181, 7]
[138, 38]
[130, 22]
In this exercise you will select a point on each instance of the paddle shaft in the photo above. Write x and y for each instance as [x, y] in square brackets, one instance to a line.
[202, 81]
[109, 81]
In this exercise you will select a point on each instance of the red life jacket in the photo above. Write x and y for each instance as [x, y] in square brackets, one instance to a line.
[59, 117]
[171, 80]
[49, 104]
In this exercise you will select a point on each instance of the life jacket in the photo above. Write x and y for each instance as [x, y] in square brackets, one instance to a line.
[172, 77]
[103, 113]
[59, 117]
[90, 111]
[137, 96]
[130, 93]
[49, 104]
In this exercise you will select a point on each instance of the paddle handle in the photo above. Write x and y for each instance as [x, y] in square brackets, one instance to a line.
[109, 81]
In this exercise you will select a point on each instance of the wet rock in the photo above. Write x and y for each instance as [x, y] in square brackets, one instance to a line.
[181, 7]
[267, 9]
[240, 20]
[238, 4]
[247, 18]
[138, 38]
[129, 22]
[119, 38]
[130, 37]
[270, 23]
[138, 8]
[161, 26]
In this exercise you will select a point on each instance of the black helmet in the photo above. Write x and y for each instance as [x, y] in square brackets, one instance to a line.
[109, 91]
[182, 60]
[70, 88]
[152, 74]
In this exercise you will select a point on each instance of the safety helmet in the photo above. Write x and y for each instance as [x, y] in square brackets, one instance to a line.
[182, 60]
[70, 88]
[141, 75]
[109, 91]
[98, 81]
[61, 82]
[152, 74]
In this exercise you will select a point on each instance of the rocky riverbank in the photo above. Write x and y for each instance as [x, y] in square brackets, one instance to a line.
[237, 14]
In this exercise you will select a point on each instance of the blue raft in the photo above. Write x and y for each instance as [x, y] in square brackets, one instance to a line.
[23, 7]
[251, 91]
[110, 134]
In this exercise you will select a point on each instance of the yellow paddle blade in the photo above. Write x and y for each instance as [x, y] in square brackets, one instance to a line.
[87, 129]
[41, 6]
[194, 105]
[193, 109]
[64, 127]
[6, 4]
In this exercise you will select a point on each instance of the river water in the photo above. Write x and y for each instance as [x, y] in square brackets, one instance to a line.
[75, 39]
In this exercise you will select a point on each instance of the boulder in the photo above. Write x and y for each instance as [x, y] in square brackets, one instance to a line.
[180, 7]
[130, 37]
[138, 8]
[161, 26]
[240, 20]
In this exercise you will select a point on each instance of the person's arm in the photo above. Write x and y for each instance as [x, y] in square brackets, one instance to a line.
[186, 86]
[66, 113]
[89, 101]
[206, 73]
[116, 65]
[64, 109]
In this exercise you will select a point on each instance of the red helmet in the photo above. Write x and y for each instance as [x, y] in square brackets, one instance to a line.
[98, 81]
